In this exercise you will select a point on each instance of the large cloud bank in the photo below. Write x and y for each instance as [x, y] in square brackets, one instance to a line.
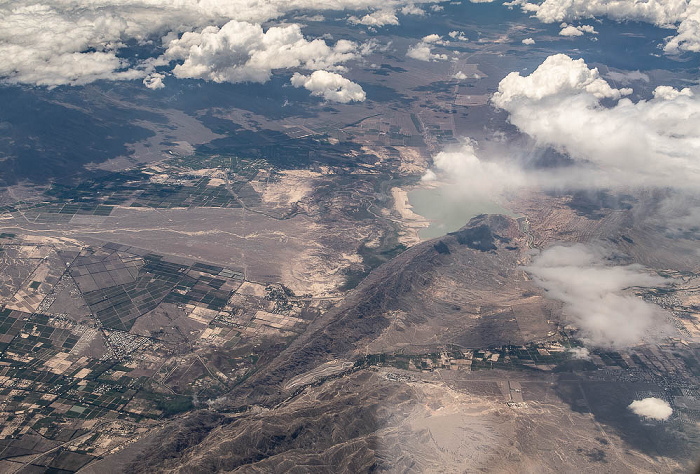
[684, 15]
[654, 142]
[615, 143]
[59, 42]
[596, 295]
[652, 407]
[243, 52]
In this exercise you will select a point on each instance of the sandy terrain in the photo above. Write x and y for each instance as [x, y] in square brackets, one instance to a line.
[411, 221]
[265, 249]
[290, 187]
[412, 160]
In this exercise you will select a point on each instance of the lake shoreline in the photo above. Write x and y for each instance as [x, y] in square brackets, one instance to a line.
[446, 208]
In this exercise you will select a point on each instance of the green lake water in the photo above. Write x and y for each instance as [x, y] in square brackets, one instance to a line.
[447, 209]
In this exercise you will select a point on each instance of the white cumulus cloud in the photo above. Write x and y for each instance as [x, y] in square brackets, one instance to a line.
[330, 86]
[74, 42]
[435, 39]
[376, 19]
[571, 30]
[557, 76]
[51, 45]
[422, 50]
[654, 408]
[154, 81]
[243, 52]
[654, 142]
[411, 9]
[458, 35]
[684, 15]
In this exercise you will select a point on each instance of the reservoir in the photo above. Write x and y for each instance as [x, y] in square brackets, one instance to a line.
[448, 209]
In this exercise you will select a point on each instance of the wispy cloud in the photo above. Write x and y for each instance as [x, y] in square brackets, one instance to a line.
[597, 295]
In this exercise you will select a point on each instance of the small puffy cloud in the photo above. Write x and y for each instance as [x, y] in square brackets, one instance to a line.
[669, 93]
[411, 9]
[654, 408]
[684, 15]
[653, 142]
[528, 41]
[422, 50]
[154, 81]
[571, 30]
[330, 86]
[596, 297]
[587, 29]
[458, 35]
[434, 39]
[459, 75]
[243, 52]
[376, 19]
